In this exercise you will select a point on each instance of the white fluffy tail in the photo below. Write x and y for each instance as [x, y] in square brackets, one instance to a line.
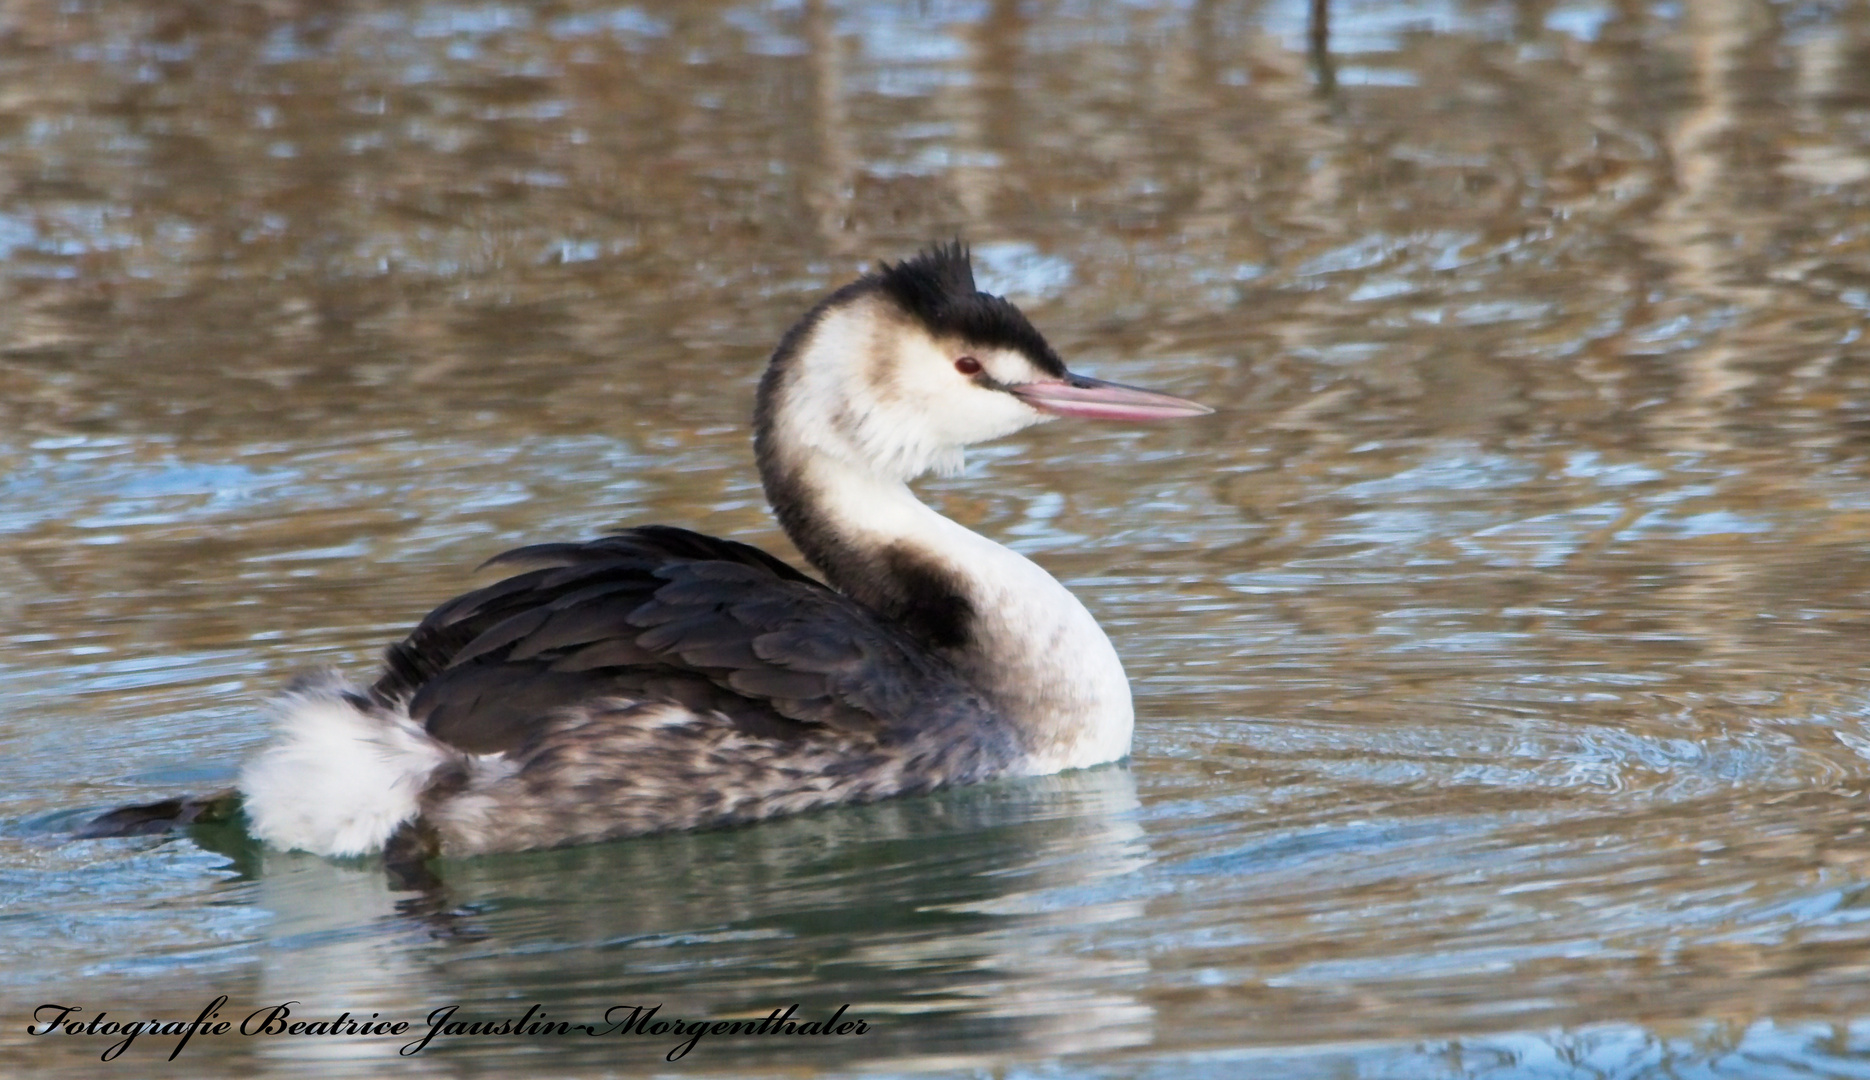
[339, 779]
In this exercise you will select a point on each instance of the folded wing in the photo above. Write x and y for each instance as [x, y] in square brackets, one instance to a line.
[665, 614]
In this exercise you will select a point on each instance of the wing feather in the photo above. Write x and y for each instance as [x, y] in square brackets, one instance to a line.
[660, 613]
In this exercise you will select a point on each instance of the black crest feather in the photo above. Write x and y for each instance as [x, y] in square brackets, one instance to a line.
[937, 288]
[941, 276]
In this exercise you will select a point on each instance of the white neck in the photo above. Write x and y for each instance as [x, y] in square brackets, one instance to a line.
[1030, 645]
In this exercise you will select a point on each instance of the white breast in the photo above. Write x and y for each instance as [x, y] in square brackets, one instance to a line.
[1037, 652]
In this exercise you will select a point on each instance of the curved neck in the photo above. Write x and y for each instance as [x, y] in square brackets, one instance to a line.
[877, 543]
[1011, 628]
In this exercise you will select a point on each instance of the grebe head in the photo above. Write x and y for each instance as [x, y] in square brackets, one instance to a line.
[900, 370]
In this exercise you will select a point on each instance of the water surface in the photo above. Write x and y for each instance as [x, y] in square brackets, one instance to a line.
[1497, 646]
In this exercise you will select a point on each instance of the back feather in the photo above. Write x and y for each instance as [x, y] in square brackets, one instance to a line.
[660, 613]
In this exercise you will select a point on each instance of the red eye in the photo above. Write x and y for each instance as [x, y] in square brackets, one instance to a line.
[967, 365]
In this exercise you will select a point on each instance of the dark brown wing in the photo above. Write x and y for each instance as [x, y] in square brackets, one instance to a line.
[660, 613]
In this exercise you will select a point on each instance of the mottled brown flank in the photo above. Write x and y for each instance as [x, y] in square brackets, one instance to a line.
[659, 680]
[616, 768]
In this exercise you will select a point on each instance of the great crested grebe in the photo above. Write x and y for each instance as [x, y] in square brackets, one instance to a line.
[658, 679]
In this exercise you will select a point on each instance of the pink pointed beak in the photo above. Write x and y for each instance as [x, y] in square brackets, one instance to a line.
[1095, 399]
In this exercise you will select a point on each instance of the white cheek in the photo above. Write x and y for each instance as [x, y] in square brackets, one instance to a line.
[971, 413]
[926, 374]
[949, 406]
[909, 416]
[1000, 412]
[991, 414]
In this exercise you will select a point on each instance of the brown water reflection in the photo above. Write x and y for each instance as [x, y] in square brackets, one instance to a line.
[1498, 646]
